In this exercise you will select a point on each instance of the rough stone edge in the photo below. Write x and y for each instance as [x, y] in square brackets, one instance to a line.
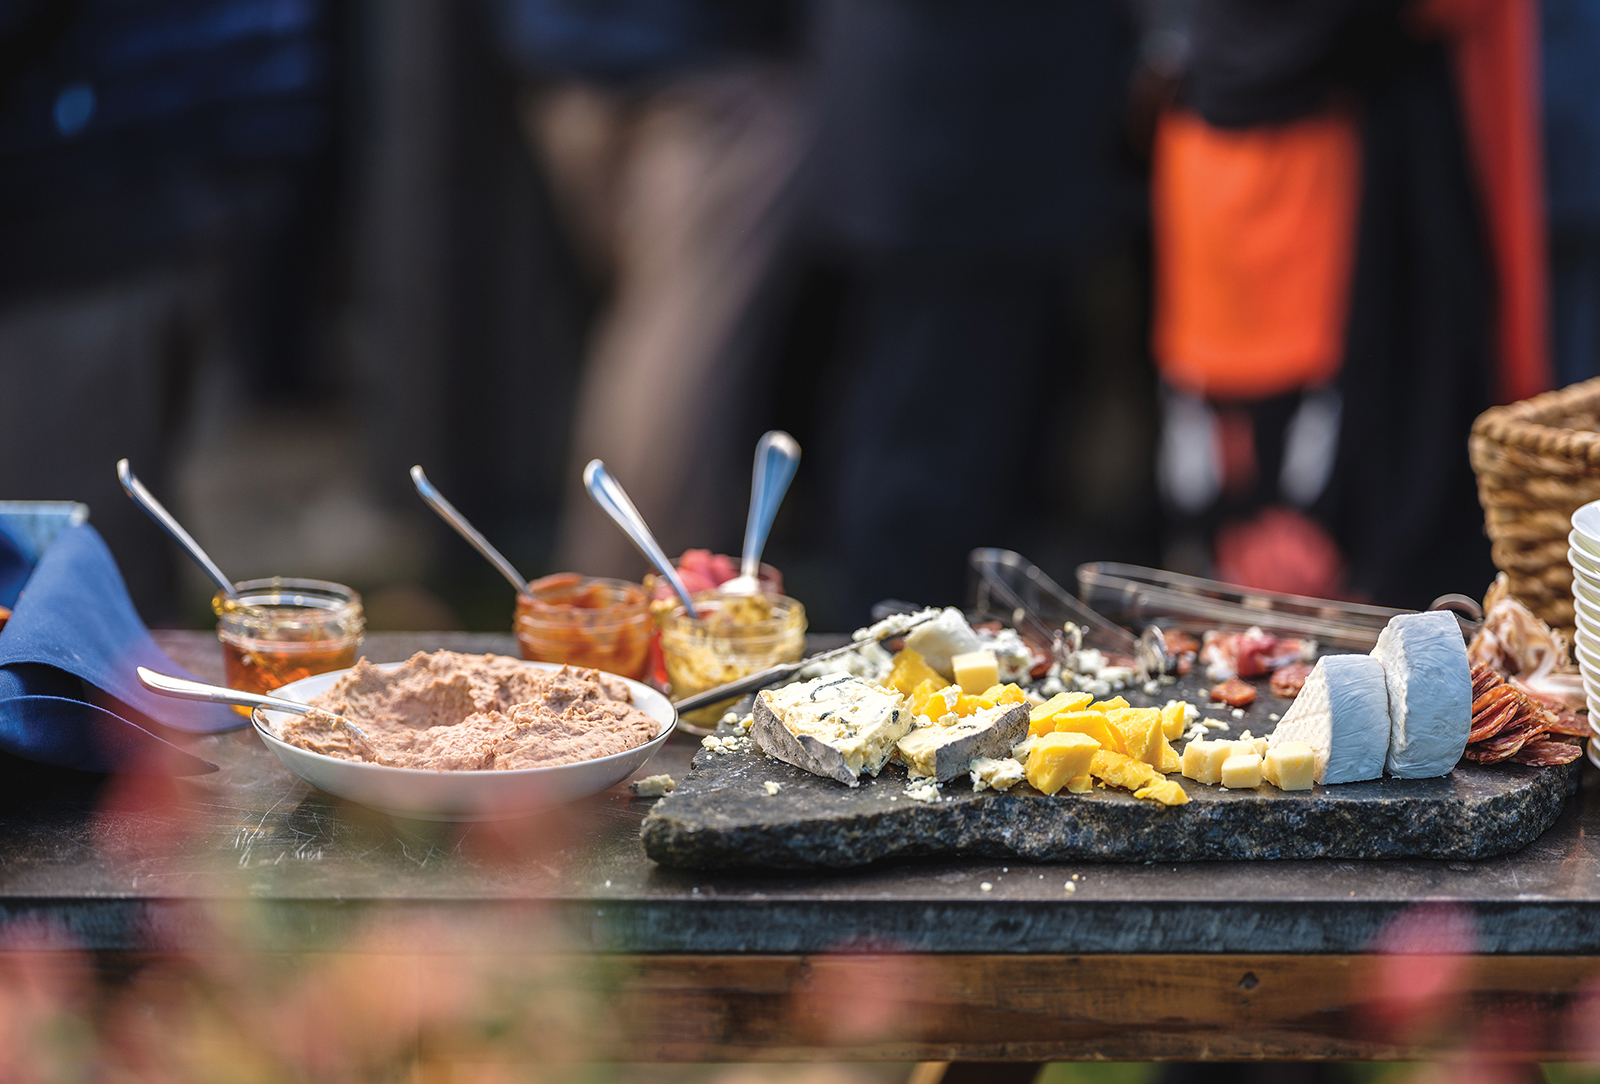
[906, 833]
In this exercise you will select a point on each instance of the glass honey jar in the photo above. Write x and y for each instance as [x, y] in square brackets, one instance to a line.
[281, 630]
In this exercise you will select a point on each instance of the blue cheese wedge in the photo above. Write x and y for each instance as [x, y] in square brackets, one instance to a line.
[1343, 714]
[838, 726]
[943, 750]
[1430, 693]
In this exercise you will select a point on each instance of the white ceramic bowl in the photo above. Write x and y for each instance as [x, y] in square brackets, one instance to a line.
[1583, 541]
[1581, 577]
[1586, 524]
[1588, 637]
[1592, 758]
[1579, 555]
[458, 796]
[1587, 600]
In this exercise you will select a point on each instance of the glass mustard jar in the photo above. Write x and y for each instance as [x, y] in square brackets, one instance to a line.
[583, 621]
[735, 636]
[280, 630]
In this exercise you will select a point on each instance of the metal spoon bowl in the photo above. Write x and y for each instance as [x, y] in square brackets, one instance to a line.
[777, 458]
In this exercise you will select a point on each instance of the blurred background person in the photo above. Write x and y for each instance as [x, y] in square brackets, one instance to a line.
[158, 168]
[981, 379]
[1570, 33]
[670, 131]
[1333, 303]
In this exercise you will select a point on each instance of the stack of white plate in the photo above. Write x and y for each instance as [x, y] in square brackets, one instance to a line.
[1583, 554]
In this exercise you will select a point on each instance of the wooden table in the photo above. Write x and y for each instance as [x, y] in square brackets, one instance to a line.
[209, 905]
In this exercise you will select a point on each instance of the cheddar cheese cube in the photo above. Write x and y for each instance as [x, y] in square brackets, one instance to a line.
[1055, 759]
[996, 695]
[1108, 705]
[975, 669]
[1290, 766]
[1174, 717]
[1170, 761]
[1202, 760]
[1080, 784]
[1057, 704]
[1241, 772]
[1141, 733]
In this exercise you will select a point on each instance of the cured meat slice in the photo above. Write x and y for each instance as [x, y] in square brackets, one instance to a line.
[1287, 681]
[1235, 693]
[1484, 679]
[1503, 746]
[1180, 642]
[1547, 752]
[1565, 722]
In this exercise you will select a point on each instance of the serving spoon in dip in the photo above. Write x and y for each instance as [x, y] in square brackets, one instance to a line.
[777, 458]
[447, 512]
[154, 509]
[613, 501]
[184, 689]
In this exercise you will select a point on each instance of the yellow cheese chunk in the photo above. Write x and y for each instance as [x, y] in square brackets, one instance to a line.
[910, 671]
[1122, 771]
[1080, 784]
[1055, 759]
[996, 695]
[1057, 704]
[1170, 761]
[934, 700]
[1290, 766]
[1243, 747]
[1202, 760]
[975, 669]
[1141, 733]
[1108, 705]
[1173, 716]
[1167, 792]
[1241, 772]
[1092, 723]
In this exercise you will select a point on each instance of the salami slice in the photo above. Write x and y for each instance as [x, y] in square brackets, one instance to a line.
[1287, 681]
[1570, 724]
[1547, 752]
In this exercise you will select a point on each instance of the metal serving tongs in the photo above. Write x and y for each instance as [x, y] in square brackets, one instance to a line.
[784, 670]
[1139, 595]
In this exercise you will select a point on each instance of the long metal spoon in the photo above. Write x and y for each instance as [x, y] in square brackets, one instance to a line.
[777, 458]
[614, 502]
[184, 689]
[153, 508]
[448, 513]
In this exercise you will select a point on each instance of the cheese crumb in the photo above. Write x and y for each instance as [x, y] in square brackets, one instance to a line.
[653, 786]
[923, 790]
[772, 788]
[1070, 887]
[1274, 716]
[986, 886]
[1238, 713]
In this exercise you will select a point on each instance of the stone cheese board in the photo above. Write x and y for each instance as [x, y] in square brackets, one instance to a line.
[722, 814]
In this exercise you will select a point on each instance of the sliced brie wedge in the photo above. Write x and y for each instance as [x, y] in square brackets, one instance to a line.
[836, 726]
[1425, 663]
[1343, 714]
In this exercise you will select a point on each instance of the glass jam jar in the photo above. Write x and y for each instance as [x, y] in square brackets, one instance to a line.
[599, 623]
[736, 635]
[280, 630]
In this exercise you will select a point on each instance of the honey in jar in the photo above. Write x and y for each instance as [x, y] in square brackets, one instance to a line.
[281, 630]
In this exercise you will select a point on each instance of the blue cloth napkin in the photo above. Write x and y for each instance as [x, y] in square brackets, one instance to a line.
[69, 695]
[15, 567]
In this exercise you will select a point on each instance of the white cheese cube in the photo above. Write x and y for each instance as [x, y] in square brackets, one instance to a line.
[1203, 760]
[1290, 766]
[976, 671]
[1241, 772]
[1343, 714]
[945, 636]
[1243, 747]
[1430, 693]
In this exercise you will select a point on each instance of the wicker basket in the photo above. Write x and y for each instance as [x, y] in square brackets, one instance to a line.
[1538, 461]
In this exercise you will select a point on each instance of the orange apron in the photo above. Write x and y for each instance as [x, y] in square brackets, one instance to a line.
[1254, 243]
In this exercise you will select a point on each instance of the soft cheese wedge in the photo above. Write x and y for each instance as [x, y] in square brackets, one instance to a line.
[1430, 693]
[838, 726]
[1343, 714]
[944, 750]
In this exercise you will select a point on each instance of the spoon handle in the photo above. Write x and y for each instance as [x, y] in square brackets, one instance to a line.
[614, 502]
[777, 458]
[153, 508]
[448, 513]
[184, 689]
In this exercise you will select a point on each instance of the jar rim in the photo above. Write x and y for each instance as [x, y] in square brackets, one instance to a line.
[787, 613]
[288, 602]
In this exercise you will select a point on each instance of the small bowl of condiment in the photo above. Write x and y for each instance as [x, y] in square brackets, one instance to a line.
[735, 635]
[280, 630]
[586, 621]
